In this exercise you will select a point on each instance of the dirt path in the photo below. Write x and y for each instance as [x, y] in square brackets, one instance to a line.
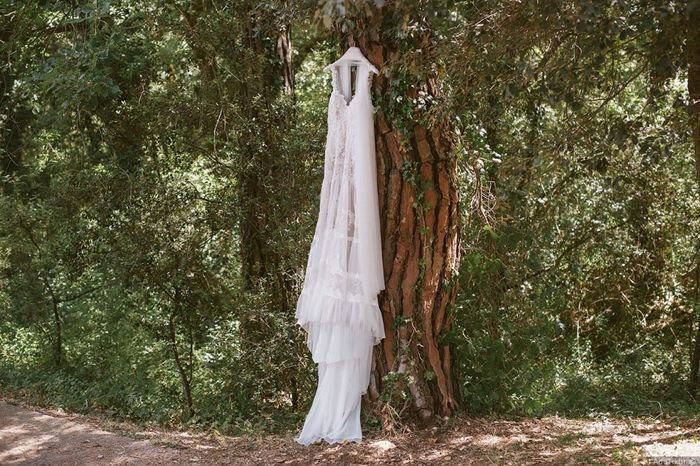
[55, 438]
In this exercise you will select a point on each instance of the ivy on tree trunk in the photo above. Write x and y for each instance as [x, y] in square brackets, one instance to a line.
[418, 197]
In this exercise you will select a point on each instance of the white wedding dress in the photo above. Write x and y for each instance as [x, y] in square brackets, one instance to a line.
[338, 304]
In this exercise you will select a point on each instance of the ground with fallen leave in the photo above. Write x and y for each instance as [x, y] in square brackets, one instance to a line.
[49, 437]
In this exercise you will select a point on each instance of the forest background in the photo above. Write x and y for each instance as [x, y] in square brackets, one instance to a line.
[539, 168]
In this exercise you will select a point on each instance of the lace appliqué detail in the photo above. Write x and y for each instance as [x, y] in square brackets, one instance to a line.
[335, 283]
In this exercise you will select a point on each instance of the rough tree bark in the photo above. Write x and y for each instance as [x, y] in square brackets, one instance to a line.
[418, 199]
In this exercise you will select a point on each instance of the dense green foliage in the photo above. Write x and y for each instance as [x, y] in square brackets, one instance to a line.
[585, 294]
[142, 143]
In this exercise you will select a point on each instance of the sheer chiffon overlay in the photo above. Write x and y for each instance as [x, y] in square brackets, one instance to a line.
[338, 305]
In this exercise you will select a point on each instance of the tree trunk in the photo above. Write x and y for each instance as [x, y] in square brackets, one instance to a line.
[184, 379]
[270, 75]
[693, 54]
[16, 116]
[284, 53]
[693, 381]
[58, 337]
[266, 99]
[417, 184]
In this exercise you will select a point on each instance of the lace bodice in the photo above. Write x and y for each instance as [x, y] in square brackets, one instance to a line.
[344, 90]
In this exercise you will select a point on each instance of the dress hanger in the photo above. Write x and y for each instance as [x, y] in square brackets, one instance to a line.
[353, 56]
